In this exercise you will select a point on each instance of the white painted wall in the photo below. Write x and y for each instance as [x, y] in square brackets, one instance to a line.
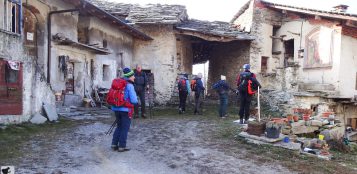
[315, 75]
[348, 70]
[245, 20]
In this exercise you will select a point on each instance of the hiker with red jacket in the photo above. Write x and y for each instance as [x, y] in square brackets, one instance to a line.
[184, 90]
[245, 95]
[124, 113]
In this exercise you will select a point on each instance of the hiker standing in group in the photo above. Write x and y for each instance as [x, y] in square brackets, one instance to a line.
[184, 90]
[124, 113]
[141, 84]
[245, 97]
[222, 89]
[198, 87]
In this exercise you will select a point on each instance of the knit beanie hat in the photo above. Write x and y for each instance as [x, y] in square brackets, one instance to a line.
[128, 72]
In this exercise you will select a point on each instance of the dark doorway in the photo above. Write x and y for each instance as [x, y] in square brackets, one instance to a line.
[289, 52]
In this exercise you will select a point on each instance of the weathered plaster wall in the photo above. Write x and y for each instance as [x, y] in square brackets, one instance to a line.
[245, 21]
[159, 56]
[35, 89]
[81, 61]
[118, 43]
[227, 59]
[184, 54]
[348, 70]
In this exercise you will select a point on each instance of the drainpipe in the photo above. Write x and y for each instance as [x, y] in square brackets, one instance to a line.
[49, 39]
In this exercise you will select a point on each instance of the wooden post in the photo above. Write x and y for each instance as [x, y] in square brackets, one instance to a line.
[258, 104]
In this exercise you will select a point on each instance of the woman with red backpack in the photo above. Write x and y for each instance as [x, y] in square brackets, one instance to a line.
[124, 112]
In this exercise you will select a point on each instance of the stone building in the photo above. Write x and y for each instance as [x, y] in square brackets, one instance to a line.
[179, 42]
[306, 56]
[57, 46]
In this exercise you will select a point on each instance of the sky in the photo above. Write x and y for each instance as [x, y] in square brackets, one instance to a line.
[224, 10]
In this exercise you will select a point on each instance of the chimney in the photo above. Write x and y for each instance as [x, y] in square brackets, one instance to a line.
[340, 8]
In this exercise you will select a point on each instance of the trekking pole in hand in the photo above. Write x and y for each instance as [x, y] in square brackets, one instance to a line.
[111, 128]
[258, 104]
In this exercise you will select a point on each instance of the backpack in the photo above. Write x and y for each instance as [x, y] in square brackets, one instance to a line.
[244, 78]
[193, 85]
[182, 85]
[252, 87]
[247, 84]
[115, 95]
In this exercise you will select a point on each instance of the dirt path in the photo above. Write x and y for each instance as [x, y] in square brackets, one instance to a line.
[160, 145]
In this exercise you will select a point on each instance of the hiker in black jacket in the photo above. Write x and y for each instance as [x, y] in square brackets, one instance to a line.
[199, 94]
[140, 84]
[245, 97]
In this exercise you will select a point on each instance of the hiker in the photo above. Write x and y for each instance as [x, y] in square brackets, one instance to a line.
[198, 87]
[184, 90]
[141, 84]
[124, 114]
[222, 88]
[245, 98]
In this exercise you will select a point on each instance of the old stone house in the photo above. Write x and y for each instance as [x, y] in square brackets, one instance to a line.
[306, 56]
[58, 46]
[179, 42]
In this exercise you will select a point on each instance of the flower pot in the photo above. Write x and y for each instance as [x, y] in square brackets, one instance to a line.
[273, 132]
[296, 118]
[256, 128]
[306, 117]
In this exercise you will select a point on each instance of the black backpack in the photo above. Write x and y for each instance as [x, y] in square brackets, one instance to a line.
[244, 78]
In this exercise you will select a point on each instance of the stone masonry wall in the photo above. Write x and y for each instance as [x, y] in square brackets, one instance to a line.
[159, 56]
[227, 59]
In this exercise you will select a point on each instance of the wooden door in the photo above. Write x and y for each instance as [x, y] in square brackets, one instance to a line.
[10, 89]
[70, 78]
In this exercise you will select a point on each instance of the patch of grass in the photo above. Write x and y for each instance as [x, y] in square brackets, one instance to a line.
[14, 136]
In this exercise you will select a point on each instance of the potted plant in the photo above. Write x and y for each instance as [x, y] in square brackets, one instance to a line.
[273, 128]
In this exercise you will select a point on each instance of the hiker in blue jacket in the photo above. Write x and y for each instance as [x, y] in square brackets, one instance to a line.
[199, 92]
[222, 89]
[124, 114]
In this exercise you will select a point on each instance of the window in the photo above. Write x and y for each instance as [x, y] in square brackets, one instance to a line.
[106, 72]
[10, 16]
[264, 64]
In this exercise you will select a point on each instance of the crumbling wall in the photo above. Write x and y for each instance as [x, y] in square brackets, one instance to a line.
[159, 56]
[184, 54]
[118, 43]
[245, 21]
[227, 59]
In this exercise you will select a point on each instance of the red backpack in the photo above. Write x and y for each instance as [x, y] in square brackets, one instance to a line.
[182, 85]
[115, 95]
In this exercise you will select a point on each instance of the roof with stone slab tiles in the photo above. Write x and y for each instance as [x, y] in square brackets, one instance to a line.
[150, 13]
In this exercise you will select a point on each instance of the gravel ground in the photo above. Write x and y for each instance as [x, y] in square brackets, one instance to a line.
[161, 145]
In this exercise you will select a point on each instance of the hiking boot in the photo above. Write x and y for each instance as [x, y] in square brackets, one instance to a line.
[241, 121]
[123, 149]
[180, 111]
[114, 147]
[143, 116]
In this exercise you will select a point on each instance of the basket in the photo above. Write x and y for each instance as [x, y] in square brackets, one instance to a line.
[256, 128]
[273, 132]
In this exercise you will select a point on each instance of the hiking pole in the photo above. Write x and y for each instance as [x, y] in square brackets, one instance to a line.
[111, 128]
[258, 104]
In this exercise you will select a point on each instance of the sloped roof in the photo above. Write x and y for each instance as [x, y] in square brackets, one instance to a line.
[216, 28]
[329, 14]
[151, 13]
[87, 7]
[309, 11]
